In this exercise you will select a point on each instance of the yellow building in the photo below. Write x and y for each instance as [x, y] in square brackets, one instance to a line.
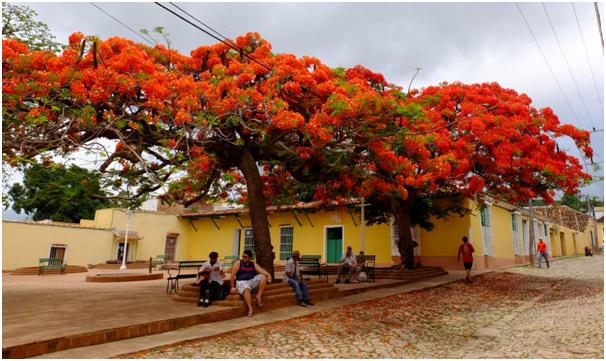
[498, 231]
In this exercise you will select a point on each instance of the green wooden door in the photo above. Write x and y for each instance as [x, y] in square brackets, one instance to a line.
[334, 244]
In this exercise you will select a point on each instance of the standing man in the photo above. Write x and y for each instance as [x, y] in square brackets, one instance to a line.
[211, 274]
[246, 276]
[292, 275]
[346, 265]
[542, 252]
[466, 249]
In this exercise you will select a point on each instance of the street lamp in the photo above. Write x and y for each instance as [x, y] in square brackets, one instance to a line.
[123, 267]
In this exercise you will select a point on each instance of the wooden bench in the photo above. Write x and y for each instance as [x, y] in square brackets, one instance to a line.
[228, 262]
[311, 265]
[369, 268]
[50, 263]
[173, 279]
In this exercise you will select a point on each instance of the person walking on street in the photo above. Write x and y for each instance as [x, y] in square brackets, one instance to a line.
[542, 252]
[292, 275]
[466, 249]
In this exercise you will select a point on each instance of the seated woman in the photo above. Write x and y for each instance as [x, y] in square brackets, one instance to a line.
[358, 268]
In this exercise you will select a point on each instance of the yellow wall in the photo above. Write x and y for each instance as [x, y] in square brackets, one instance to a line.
[502, 233]
[23, 243]
[153, 226]
[445, 238]
[308, 236]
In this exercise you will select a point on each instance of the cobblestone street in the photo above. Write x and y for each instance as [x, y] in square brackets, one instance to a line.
[520, 312]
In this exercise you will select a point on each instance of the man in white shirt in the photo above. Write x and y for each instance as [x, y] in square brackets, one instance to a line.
[292, 275]
[210, 278]
[346, 265]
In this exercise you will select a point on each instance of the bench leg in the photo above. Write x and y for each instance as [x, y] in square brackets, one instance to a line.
[172, 285]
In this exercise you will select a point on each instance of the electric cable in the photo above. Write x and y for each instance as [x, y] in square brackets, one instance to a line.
[121, 23]
[574, 80]
[548, 65]
[595, 84]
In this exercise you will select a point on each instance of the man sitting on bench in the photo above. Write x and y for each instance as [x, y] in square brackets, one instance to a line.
[246, 276]
[292, 275]
[210, 279]
[358, 268]
[346, 266]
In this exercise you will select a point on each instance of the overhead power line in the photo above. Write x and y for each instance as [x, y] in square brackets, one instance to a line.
[228, 43]
[121, 23]
[203, 24]
[574, 80]
[597, 15]
[548, 65]
[595, 83]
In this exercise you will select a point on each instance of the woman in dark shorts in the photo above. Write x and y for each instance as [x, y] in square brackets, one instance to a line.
[466, 249]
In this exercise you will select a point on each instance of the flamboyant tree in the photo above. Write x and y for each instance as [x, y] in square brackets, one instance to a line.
[196, 124]
[206, 123]
[459, 140]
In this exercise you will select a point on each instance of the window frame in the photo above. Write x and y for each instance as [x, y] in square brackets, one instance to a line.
[285, 253]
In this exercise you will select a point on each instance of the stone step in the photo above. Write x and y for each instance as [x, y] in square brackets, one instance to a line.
[191, 292]
[412, 276]
[33, 271]
[136, 265]
[284, 299]
[428, 275]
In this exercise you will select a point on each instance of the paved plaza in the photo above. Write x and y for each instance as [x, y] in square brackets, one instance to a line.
[519, 312]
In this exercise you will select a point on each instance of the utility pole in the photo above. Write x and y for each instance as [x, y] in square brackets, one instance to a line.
[590, 212]
[531, 232]
[594, 240]
[362, 224]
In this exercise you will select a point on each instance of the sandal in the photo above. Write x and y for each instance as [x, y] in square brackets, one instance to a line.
[259, 303]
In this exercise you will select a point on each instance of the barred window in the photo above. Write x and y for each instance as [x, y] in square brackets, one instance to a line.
[485, 216]
[286, 238]
[249, 243]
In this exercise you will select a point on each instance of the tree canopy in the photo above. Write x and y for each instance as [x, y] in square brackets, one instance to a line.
[204, 124]
[58, 193]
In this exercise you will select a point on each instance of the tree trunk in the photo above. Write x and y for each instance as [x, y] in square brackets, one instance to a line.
[258, 212]
[401, 209]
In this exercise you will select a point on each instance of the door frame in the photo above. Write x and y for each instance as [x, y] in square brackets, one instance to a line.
[325, 251]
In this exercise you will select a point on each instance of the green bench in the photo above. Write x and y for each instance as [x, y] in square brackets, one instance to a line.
[228, 261]
[50, 263]
[173, 279]
[369, 268]
[310, 264]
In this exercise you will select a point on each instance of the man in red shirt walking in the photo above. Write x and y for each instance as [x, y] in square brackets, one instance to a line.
[467, 250]
[542, 251]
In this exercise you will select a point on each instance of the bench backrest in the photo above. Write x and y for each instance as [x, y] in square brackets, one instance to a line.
[228, 261]
[51, 261]
[370, 260]
[312, 256]
[190, 264]
[309, 261]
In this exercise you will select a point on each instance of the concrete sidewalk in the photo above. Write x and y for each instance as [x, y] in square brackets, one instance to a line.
[117, 348]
